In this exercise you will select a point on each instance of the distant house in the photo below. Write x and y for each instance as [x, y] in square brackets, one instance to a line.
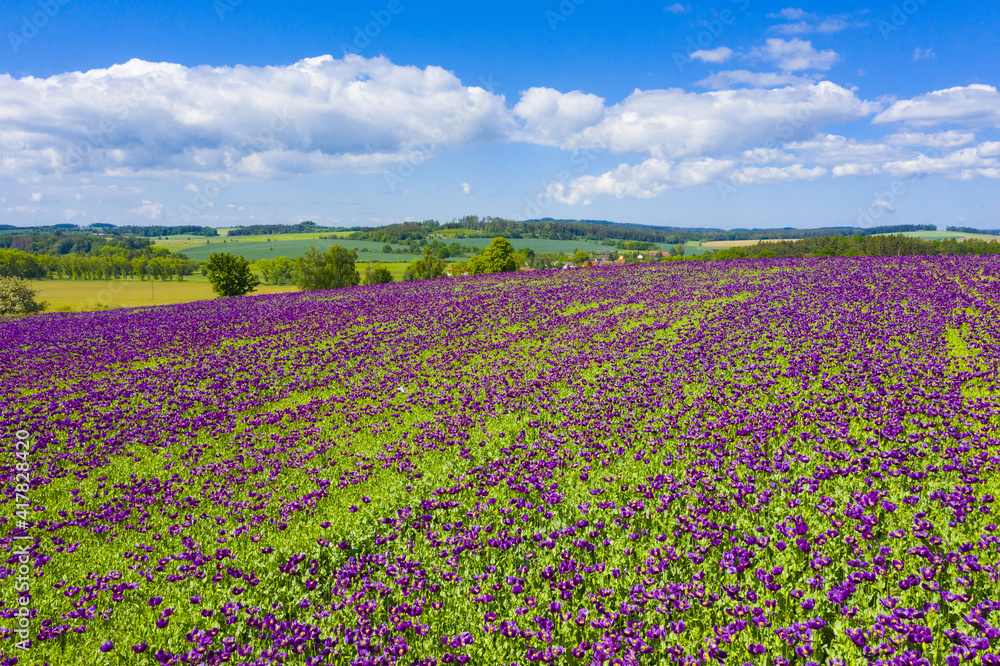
[620, 261]
[606, 262]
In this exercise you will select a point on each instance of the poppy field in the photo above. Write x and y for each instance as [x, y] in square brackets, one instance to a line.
[733, 462]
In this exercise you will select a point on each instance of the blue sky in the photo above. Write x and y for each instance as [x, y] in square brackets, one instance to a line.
[727, 113]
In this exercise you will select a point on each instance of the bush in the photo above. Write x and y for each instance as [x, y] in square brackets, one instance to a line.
[497, 258]
[327, 270]
[377, 275]
[230, 275]
[429, 267]
[18, 298]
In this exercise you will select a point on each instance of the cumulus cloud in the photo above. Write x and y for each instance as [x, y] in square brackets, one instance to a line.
[854, 169]
[655, 177]
[316, 114]
[972, 106]
[551, 117]
[825, 156]
[829, 149]
[939, 140]
[149, 210]
[643, 181]
[964, 164]
[795, 55]
[773, 175]
[674, 124]
[721, 54]
[363, 115]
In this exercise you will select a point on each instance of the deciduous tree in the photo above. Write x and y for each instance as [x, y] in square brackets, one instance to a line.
[229, 274]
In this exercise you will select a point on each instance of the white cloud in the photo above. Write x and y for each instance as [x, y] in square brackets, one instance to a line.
[829, 149]
[924, 54]
[853, 169]
[965, 164]
[149, 210]
[731, 78]
[939, 140]
[795, 55]
[824, 156]
[677, 8]
[801, 22]
[466, 188]
[551, 117]
[766, 156]
[642, 181]
[721, 54]
[972, 106]
[318, 114]
[773, 175]
[884, 205]
[36, 197]
[791, 13]
[655, 177]
[672, 124]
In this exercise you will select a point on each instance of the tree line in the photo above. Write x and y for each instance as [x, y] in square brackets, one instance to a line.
[970, 230]
[336, 267]
[601, 231]
[108, 263]
[104, 228]
[63, 243]
[858, 246]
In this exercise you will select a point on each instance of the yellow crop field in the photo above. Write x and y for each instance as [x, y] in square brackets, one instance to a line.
[85, 295]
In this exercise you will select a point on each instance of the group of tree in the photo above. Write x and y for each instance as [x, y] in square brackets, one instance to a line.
[231, 275]
[858, 246]
[277, 271]
[108, 263]
[154, 231]
[307, 227]
[101, 229]
[472, 226]
[970, 230]
[429, 267]
[59, 242]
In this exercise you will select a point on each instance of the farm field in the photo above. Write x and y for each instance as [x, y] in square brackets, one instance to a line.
[567, 247]
[939, 235]
[184, 242]
[254, 250]
[722, 245]
[85, 295]
[755, 461]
